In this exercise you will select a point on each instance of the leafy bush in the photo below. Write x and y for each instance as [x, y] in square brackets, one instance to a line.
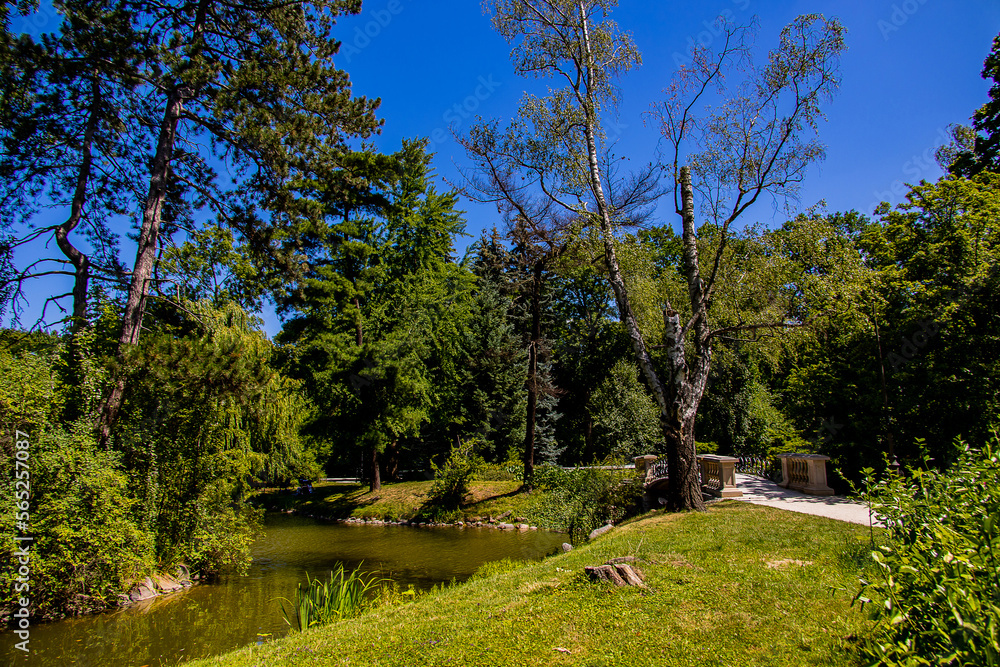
[88, 548]
[451, 480]
[223, 535]
[934, 589]
[578, 501]
[626, 419]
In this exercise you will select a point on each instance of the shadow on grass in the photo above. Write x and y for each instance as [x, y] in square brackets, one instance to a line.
[510, 494]
[338, 497]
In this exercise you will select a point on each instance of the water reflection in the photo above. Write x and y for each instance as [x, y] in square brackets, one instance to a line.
[214, 618]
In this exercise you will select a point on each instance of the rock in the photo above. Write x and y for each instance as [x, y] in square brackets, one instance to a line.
[166, 584]
[523, 526]
[143, 592]
[567, 547]
[597, 532]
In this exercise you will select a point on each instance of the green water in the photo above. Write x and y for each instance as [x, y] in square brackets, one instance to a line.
[209, 619]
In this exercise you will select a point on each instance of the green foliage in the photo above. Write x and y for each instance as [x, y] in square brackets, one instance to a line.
[376, 319]
[490, 389]
[451, 479]
[740, 411]
[88, 548]
[206, 414]
[981, 142]
[626, 419]
[223, 532]
[30, 396]
[934, 587]
[320, 602]
[578, 501]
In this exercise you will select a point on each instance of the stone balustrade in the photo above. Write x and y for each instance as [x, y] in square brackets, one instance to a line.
[718, 475]
[805, 473]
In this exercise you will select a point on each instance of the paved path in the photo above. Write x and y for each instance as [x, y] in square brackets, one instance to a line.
[765, 492]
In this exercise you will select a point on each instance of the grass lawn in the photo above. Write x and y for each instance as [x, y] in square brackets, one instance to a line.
[404, 500]
[736, 585]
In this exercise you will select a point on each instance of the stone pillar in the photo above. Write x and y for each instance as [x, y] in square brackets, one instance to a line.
[817, 485]
[727, 469]
[642, 463]
[785, 479]
[726, 475]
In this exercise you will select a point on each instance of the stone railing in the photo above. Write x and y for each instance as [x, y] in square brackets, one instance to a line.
[718, 475]
[805, 473]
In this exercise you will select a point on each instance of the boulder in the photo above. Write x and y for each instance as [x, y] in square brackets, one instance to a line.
[166, 584]
[597, 532]
[144, 591]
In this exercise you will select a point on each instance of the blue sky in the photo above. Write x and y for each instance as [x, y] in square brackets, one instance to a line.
[911, 69]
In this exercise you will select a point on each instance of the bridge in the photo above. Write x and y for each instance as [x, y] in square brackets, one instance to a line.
[800, 472]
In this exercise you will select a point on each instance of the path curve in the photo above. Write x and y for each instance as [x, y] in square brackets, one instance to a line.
[761, 491]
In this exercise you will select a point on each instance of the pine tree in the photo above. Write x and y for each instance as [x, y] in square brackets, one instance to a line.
[250, 84]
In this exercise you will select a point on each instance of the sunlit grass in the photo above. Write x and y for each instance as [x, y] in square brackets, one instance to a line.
[737, 585]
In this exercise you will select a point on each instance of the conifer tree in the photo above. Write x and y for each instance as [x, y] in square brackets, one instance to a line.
[377, 293]
[250, 84]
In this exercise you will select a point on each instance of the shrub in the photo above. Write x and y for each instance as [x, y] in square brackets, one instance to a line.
[934, 587]
[451, 480]
[578, 501]
[88, 548]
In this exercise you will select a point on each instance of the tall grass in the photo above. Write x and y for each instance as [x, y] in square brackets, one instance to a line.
[320, 602]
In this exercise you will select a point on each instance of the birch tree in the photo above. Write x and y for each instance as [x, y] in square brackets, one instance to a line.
[749, 146]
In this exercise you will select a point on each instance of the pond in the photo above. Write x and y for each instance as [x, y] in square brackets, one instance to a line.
[209, 619]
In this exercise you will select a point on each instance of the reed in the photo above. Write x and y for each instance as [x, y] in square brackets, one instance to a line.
[319, 602]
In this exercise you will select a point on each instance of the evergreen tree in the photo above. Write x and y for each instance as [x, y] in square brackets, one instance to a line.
[250, 85]
[74, 134]
[373, 315]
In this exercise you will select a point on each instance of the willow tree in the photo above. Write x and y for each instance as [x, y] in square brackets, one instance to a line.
[754, 142]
